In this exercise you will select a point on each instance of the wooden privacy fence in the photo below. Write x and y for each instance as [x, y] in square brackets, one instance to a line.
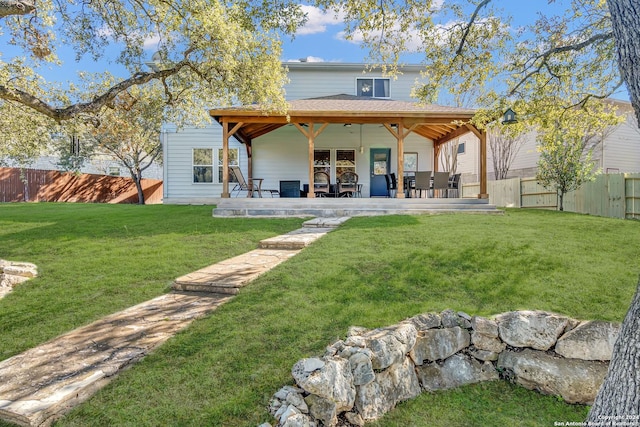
[610, 195]
[34, 185]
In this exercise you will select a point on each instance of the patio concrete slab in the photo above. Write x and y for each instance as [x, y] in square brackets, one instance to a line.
[42, 384]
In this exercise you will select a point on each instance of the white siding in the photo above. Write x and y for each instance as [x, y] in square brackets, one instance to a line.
[178, 157]
[312, 80]
[621, 149]
[283, 154]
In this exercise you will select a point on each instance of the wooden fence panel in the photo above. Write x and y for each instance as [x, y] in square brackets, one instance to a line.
[534, 195]
[505, 192]
[53, 186]
[609, 195]
[632, 196]
[601, 197]
[471, 190]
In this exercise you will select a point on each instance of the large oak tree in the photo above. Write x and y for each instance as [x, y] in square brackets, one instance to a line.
[208, 53]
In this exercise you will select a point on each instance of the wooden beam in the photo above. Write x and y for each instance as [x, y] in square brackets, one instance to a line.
[483, 164]
[225, 160]
[400, 167]
[477, 132]
[452, 135]
[249, 149]
[311, 136]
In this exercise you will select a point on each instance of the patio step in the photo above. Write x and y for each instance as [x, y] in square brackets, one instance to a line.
[347, 207]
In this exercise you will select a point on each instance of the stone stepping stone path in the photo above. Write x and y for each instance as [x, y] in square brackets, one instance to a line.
[42, 384]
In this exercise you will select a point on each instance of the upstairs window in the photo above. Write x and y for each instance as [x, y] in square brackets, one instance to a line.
[372, 87]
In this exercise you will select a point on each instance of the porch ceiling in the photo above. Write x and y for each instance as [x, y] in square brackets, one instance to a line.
[435, 122]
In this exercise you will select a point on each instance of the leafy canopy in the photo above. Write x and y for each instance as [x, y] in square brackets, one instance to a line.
[209, 53]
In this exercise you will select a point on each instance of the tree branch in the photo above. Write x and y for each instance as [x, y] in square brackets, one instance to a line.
[91, 107]
[556, 50]
[463, 40]
[16, 7]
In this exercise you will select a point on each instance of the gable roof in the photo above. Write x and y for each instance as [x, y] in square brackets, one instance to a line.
[432, 121]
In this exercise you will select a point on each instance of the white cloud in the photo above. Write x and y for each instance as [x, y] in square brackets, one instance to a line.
[151, 42]
[307, 59]
[317, 20]
[413, 42]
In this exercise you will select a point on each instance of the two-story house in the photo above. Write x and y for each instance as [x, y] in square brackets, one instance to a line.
[342, 118]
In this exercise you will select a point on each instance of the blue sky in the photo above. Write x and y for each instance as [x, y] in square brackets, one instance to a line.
[322, 39]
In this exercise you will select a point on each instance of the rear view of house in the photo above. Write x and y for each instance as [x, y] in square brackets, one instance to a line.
[342, 118]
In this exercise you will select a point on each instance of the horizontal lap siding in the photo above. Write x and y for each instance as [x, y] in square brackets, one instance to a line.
[621, 150]
[316, 83]
[178, 155]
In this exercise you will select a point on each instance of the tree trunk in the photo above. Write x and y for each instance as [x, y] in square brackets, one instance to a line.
[618, 400]
[561, 201]
[138, 180]
[625, 19]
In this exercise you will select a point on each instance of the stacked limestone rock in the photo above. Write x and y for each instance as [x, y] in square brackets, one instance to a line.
[362, 377]
[13, 273]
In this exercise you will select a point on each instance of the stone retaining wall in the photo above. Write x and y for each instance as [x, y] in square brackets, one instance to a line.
[362, 377]
[13, 273]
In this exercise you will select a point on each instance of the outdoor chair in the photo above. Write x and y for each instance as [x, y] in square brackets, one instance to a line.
[242, 185]
[321, 184]
[392, 185]
[454, 186]
[423, 183]
[440, 183]
[348, 184]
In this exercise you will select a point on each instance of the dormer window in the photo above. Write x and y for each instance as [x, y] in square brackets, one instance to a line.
[373, 87]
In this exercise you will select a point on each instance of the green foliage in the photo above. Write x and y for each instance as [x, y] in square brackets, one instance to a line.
[209, 53]
[566, 144]
[371, 272]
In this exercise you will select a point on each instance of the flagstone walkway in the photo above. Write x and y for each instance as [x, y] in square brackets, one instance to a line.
[42, 384]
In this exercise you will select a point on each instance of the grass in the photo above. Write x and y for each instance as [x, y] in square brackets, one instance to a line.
[371, 272]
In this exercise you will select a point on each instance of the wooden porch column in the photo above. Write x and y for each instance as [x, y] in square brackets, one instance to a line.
[311, 136]
[482, 136]
[311, 146]
[225, 160]
[483, 165]
[249, 167]
[436, 156]
[400, 181]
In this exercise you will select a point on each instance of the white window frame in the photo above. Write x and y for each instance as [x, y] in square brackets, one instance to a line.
[373, 87]
[464, 147]
[194, 165]
[333, 162]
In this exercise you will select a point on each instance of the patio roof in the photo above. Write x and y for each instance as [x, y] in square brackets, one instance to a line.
[436, 122]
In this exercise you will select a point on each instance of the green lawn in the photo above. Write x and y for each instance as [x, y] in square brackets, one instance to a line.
[221, 371]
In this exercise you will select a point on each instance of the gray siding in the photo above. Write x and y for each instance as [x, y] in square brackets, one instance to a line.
[619, 152]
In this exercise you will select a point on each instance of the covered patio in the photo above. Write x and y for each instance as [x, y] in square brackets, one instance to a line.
[433, 123]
